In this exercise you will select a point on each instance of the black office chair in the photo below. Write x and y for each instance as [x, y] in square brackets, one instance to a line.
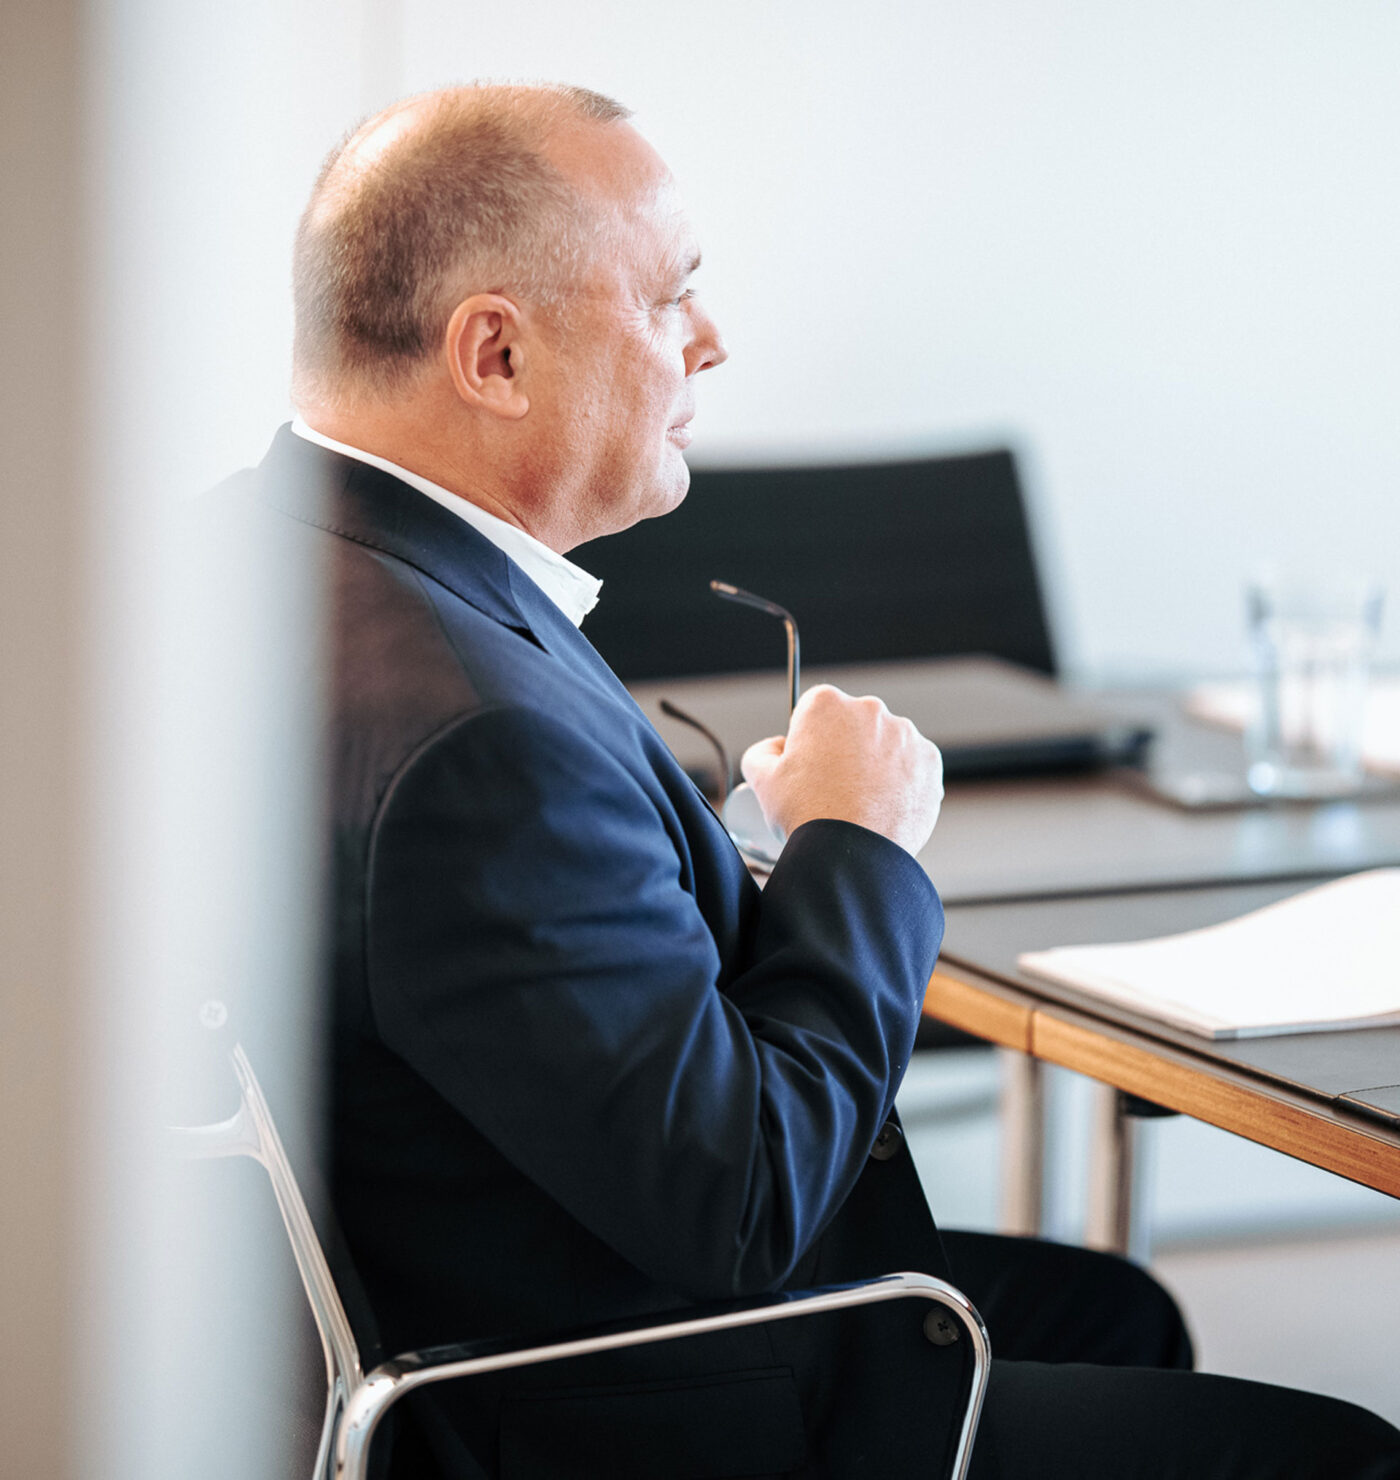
[357, 1400]
[918, 559]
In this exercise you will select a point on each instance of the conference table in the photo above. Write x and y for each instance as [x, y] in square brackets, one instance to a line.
[1032, 862]
[1035, 863]
[1329, 1098]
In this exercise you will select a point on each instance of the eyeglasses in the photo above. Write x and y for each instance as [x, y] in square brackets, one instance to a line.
[737, 805]
[794, 646]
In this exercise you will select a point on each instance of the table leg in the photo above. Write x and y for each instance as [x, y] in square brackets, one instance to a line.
[1113, 1150]
[1022, 1141]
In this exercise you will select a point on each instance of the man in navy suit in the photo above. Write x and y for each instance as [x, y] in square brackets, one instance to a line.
[581, 1067]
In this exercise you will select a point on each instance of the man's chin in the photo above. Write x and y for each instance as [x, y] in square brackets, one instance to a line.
[670, 492]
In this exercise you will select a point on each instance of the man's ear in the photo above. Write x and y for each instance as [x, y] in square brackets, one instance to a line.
[485, 350]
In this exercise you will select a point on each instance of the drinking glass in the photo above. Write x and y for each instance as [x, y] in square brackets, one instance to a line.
[1312, 636]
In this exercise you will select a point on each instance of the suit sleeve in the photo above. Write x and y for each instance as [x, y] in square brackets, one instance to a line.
[532, 952]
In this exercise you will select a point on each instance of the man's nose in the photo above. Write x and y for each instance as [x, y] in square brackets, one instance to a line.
[706, 348]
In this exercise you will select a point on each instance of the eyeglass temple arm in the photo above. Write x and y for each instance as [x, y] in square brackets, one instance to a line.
[794, 656]
[726, 769]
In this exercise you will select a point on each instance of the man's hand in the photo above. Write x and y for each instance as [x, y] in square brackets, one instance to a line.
[853, 760]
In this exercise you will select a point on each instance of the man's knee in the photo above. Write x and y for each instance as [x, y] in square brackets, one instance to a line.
[1078, 1422]
[1148, 1308]
[1049, 1302]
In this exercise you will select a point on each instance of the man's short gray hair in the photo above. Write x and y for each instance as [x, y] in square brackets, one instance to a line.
[397, 233]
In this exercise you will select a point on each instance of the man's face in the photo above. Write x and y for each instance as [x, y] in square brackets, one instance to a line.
[632, 339]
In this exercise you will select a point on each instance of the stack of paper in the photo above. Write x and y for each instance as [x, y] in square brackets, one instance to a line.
[1326, 958]
[1234, 704]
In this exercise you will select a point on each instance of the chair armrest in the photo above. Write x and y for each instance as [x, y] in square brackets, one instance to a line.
[392, 1379]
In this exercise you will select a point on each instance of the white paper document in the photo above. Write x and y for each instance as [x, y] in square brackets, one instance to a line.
[1326, 958]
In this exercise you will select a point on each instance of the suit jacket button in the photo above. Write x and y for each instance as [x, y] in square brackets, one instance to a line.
[888, 1142]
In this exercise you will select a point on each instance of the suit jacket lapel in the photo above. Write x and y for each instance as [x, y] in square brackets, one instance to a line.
[556, 633]
[349, 498]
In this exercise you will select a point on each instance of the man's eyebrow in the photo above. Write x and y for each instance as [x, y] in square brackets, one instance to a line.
[680, 270]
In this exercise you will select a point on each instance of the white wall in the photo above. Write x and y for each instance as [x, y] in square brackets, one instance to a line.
[1154, 245]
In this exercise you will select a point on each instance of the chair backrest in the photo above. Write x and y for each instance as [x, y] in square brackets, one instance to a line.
[916, 559]
[251, 1132]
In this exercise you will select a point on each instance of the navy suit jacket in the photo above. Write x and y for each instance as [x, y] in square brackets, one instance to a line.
[581, 1067]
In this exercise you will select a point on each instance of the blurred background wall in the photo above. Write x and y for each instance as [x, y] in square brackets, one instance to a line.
[1153, 247]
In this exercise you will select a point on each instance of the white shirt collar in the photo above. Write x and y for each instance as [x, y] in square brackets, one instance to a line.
[567, 585]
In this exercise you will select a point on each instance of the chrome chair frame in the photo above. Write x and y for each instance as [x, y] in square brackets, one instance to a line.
[357, 1401]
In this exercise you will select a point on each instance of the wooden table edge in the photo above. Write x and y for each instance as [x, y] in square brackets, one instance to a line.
[985, 1009]
[1311, 1129]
